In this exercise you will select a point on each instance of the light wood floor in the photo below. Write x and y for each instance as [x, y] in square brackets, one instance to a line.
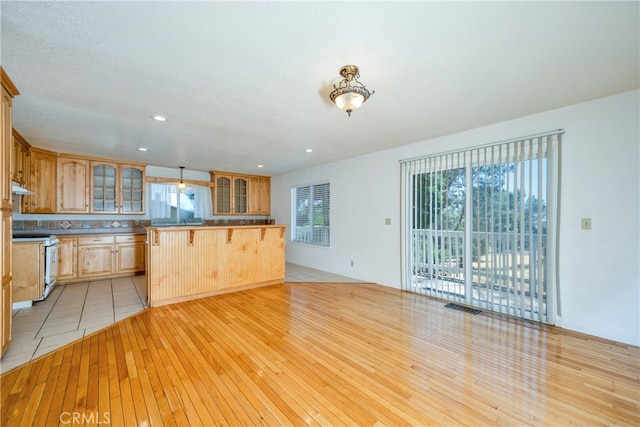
[326, 354]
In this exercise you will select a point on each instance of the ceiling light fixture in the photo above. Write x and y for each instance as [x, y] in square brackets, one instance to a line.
[308, 150]
[159, 118]
[142, 149]
[349, 94]
[181, 185]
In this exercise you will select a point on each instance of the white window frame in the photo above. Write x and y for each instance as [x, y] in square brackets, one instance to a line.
[315, 209]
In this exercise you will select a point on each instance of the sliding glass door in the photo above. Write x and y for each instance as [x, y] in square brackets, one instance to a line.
[479, 226]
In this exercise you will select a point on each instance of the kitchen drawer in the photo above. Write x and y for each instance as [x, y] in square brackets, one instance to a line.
[131, 238]
[96, 240]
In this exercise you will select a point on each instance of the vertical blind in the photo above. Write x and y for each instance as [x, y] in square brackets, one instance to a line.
[479, 226]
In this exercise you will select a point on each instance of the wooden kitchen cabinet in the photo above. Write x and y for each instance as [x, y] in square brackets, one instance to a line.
[95, 256]
[117, 188]
[259, 195]
[9, 91]
[6, 302]
[42, 182]
[6, 144]
[28, 280]
[6, 295]
[235, 194]
[130, 250]
[132, 189]
[73, 185]
[109, 255]
[21, 157]
[67, 258]
[230, 194]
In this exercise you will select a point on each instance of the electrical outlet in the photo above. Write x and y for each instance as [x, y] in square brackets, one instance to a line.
[586, 223]
[387, 221]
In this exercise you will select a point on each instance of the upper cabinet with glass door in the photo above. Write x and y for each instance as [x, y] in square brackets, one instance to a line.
[117, 188]
[229, 193]
[235, 194]
[132, 181]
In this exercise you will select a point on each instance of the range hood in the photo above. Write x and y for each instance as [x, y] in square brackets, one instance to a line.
[19, 189]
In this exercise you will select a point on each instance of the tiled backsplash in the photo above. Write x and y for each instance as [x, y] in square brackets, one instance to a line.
[69, 224]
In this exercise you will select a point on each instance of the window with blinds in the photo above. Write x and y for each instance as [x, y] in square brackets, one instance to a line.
[479, 226]
[310, 214]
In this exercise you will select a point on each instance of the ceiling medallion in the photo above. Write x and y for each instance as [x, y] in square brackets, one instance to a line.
[349, 94]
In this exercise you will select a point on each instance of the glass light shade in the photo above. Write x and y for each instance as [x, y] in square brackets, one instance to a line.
[181, 186]
[349, 101]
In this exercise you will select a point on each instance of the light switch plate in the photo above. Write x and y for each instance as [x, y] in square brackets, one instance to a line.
[586, 223]
[387, 221]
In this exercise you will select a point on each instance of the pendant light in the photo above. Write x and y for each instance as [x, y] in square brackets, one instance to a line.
[181, 185]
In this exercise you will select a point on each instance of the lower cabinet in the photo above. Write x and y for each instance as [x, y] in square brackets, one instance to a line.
[67, 258]
[95, 256]
[6, 303]
[28, 277]
[130, 252]
[100, 255]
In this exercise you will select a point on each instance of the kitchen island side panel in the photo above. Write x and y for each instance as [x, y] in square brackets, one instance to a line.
[186, 263]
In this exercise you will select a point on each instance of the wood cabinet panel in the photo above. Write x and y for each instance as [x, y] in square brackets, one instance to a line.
[9, 91]
[6, 230]
[20, 163]
[105, 239]
[260, 195]
[6, 143]
[6, 302]
[73, 185]
[28, 279]
[42, 181]
[6, 297]
[95, 260]
[67, 258]
[130, 257]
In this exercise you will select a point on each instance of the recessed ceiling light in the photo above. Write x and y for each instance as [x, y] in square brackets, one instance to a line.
[142, 149]
[260, 166]
[159, 118]
[308, 150]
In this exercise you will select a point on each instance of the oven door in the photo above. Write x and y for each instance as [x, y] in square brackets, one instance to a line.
[51, 264]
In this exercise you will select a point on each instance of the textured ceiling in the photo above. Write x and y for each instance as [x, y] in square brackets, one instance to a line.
[247, 83]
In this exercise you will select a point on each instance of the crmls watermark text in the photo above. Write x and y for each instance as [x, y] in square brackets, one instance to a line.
[85, 418]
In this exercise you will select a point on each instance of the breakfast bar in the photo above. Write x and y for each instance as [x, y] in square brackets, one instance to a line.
[185, 263]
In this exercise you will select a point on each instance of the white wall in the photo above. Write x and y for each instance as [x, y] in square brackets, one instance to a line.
[599, 269]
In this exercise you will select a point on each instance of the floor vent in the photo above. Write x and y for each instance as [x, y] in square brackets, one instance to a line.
[462, 308]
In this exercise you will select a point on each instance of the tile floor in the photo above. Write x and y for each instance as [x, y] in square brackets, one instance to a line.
[76, 310]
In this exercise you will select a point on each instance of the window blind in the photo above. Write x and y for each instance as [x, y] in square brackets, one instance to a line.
[311, 206]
